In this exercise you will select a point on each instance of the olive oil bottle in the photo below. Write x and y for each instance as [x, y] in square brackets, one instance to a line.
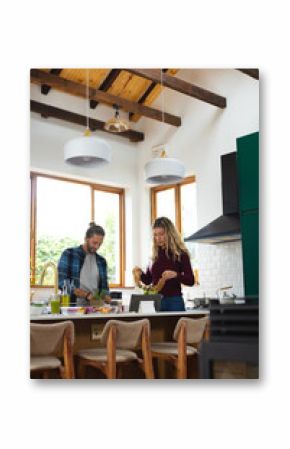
[65, 299]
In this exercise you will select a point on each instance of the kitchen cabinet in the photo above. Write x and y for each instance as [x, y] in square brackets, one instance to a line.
[248, 177]
[248, 171]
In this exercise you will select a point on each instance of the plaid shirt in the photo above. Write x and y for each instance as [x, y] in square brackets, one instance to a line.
[70, 265]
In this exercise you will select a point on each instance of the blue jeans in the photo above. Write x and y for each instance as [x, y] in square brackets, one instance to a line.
[172, 304]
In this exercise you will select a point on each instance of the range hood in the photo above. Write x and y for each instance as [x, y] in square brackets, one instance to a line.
[225, 228]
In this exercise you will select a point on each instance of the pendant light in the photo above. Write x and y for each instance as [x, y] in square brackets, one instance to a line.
[87, 150]
[116, 124]
[162, 169]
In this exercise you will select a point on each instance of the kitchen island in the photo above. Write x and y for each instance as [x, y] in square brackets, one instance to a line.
[89, 326]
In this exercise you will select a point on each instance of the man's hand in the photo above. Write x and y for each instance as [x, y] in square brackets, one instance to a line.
[82, 293]
[168, 274]
[90, 297]
[107, 298]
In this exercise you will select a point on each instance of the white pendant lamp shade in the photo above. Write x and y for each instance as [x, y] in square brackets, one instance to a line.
[164, 170]
[87, 151]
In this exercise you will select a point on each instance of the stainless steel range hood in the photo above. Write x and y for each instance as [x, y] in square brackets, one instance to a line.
[225, 228]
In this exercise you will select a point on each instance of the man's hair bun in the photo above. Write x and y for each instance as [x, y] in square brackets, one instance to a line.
[94, 229]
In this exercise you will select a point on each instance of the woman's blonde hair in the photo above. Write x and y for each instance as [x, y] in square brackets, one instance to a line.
[174, 245]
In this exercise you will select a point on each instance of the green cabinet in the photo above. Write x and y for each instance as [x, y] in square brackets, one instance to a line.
[248, 176]
[250, 247]
[248, 171]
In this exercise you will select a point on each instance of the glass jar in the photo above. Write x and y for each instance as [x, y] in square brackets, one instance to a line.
[54, 301]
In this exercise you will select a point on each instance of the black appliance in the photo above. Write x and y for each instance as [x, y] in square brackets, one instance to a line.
[225, 228]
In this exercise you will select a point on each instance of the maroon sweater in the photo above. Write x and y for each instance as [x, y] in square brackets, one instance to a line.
[172, 287]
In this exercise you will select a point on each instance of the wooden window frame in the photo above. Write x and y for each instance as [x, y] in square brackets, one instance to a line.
[93, 186]
[177, 196]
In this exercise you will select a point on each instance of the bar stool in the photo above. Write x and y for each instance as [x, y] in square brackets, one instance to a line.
[51, 348]
[188, 334]
[120, 340]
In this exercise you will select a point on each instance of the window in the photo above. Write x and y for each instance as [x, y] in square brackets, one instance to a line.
[61, 210]
[165, 204]
[178, 203]
[107, 213]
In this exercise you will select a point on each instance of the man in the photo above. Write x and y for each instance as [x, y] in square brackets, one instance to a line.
[84, 267]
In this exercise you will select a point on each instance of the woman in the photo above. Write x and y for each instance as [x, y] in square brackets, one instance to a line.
[171, 265]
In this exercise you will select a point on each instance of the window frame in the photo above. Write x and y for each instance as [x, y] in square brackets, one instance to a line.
[177, 196]
[93, 186]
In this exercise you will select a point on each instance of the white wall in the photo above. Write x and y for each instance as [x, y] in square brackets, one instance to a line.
[206, 133]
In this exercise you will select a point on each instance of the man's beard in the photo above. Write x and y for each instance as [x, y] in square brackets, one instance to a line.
[91, 250]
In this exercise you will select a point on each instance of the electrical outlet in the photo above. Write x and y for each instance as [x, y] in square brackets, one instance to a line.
[96, 330]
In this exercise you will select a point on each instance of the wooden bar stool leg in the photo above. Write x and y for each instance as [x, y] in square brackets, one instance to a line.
[68, 357]
[182, 357]
[111, 351]
[147, 356]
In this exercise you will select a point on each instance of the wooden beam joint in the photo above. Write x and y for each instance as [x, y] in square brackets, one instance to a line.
[106, 84]
[44, 87]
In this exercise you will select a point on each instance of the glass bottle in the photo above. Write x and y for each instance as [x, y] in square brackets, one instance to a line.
[65, 295]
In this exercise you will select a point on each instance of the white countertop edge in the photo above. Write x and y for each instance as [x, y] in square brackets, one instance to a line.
[81, 316]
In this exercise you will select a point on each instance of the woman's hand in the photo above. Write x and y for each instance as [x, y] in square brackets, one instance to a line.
[137, 270]
[168, 274]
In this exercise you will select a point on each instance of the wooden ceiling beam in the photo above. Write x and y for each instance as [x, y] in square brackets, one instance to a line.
[73, 88]
[145, 95]
[106, 84]
[71, 117]
[254, 73]
[181, 86]
[44, 87]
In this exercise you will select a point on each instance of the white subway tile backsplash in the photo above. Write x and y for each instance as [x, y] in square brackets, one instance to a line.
[219, 266]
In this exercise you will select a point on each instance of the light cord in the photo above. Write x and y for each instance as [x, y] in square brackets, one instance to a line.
[87, 95]
[162, 93]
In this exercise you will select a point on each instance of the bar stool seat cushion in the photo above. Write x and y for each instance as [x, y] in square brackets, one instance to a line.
[100, 355]
[171, 348]
[42, 363]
